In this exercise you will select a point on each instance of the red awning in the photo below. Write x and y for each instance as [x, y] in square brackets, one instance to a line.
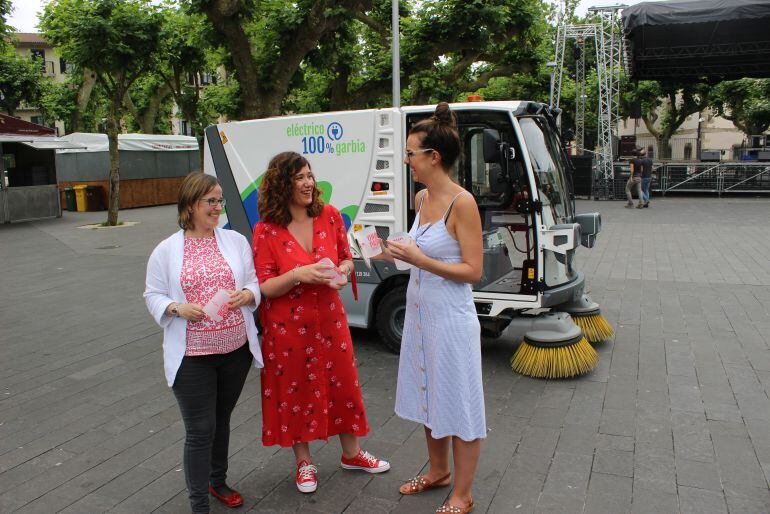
[10, 126]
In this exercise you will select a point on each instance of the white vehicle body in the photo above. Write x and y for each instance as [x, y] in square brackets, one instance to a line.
[530, 229]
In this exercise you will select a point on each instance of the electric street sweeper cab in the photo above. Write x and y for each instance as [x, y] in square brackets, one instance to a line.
[513, 164]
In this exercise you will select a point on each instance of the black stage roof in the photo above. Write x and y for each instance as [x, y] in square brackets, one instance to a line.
[695, 40]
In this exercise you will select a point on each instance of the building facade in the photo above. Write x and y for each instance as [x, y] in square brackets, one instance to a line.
[54, 67]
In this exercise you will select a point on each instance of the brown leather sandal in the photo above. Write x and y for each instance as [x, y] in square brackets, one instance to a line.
[451, 509]
[419, 484]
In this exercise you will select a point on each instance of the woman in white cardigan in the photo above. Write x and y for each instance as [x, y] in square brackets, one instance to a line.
[206, 356]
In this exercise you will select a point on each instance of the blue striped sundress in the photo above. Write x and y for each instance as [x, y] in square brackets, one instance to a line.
[439, 371]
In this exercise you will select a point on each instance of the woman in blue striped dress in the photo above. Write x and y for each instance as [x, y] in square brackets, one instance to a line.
[439, 374]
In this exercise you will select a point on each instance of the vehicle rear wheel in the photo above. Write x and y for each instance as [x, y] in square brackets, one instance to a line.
[390, 318]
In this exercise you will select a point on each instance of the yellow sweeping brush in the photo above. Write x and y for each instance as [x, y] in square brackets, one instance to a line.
[595, 327]
[588, 317]
[541, 357]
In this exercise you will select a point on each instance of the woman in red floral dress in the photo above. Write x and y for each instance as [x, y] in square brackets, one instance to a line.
[310, 387]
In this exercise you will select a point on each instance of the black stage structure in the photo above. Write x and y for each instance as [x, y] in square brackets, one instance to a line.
[689, 41]
[698, 40]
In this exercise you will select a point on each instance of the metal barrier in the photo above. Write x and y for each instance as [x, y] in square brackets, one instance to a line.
[688, 177]
[719, 178]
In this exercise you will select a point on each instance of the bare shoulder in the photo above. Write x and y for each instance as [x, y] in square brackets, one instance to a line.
[420, 195]
[466, 203]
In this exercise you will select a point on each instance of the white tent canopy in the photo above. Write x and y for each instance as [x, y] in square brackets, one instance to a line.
[39, 142]
[131, 142]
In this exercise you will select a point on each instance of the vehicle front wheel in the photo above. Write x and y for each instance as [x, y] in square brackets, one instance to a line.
[390, 318]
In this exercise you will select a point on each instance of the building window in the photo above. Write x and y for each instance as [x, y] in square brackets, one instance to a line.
[687, 151]
[63, 65]
[38, 120]
[185, 129]
[37, 53]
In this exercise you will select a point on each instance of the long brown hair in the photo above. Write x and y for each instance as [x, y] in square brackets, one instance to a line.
[275, 193]
[193, 188]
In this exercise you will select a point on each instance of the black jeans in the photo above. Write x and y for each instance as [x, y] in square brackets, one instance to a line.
[207, 388]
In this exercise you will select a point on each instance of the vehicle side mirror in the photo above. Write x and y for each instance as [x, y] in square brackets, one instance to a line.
[491, 146]
[497, 181]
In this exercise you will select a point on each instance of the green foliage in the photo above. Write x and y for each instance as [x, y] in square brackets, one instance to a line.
[323, 55]
[665, 105]
[151, 106]
[58, 101]
[20, 80]
[115, 38]
[185, 54]
[221, 99]
[6, 8]
[745, 102]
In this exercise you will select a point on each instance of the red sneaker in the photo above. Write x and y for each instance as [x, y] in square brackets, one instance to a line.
[365, 462]
[307, 479]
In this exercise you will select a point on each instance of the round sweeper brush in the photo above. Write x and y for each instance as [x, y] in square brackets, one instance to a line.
[554, 354]
[588, 317]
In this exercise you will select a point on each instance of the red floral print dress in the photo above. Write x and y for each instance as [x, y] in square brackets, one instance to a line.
[310, 387]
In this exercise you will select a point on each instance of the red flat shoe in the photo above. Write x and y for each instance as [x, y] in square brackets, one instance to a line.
[233, 500]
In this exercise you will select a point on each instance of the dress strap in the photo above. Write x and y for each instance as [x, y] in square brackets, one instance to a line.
[422, 201]
[449, 209]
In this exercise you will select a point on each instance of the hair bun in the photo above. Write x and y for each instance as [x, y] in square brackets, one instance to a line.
[443, 115]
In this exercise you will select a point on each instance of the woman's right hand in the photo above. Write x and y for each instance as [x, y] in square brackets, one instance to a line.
[317, 273]
[190, 311]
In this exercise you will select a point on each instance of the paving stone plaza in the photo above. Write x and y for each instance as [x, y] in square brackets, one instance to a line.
[676, 417]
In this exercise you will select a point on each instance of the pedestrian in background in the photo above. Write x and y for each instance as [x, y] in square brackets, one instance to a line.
[206, 360]
[310, 387]
[439, 372]
[646, 164]
[634, 183]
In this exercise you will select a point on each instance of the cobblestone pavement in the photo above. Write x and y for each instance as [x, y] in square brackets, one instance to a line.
[675, 418]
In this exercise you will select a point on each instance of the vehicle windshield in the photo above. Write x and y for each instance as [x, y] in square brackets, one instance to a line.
[548, 165]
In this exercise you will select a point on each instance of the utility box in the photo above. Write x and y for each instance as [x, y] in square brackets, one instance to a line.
[710, 155]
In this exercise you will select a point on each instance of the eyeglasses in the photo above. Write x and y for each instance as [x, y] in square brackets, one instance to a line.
[410, 153]
[213, 202]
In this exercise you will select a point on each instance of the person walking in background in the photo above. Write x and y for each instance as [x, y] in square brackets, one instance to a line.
[206, 358]
[310, 387]
[646, 164]
[634, 181]
[439, 372]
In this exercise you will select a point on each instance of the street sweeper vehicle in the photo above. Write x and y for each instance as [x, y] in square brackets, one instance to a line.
[512, 163]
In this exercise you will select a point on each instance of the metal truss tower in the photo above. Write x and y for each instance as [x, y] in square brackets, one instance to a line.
[608, 45]
[580, 93]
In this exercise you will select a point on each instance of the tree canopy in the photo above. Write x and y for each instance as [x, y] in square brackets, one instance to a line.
[745, 102]
[336, 55]
[19, 80]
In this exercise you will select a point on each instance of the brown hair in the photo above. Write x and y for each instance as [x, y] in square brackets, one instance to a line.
[440, 134]
[193, 187]
[277, 188]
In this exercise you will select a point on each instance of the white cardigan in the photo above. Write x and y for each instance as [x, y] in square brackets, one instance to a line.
[163, 287]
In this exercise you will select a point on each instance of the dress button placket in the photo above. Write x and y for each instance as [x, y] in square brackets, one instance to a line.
[424, 381]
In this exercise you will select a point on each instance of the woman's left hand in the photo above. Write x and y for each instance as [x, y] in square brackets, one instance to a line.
[408, 252]
[240, 298]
